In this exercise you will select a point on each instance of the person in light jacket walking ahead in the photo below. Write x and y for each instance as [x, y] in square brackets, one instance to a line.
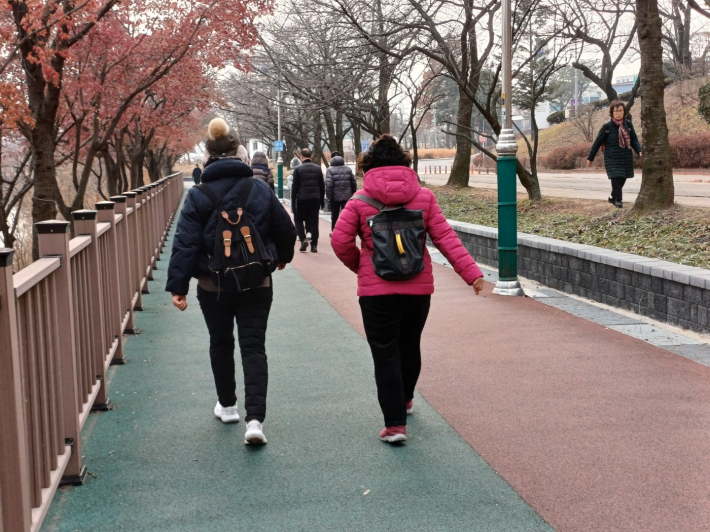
[394, 312]
[340, 185]
[617, 138]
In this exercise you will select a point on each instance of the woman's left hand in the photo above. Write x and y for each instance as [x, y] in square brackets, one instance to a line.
[478, 285]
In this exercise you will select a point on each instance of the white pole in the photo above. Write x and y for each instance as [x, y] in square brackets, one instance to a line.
[576, 93]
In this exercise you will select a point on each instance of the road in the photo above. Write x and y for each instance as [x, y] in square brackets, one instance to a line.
[690, 189]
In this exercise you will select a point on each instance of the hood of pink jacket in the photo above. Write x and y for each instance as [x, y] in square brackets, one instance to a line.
[392, 185]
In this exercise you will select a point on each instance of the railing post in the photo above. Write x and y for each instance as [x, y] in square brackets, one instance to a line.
[125, 261]
[147, 231]
[53, 240]
[85, 224]
[15, 505]
[134, 252]
[155, 224]
[107, 215]
[141, 240]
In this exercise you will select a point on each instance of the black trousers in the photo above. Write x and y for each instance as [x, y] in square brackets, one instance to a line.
[307, 212]
[617, 184]
[335, 208]
[251, 310]
[393, 326]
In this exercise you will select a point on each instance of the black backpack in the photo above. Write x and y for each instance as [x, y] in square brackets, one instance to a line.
[398, 240]
[240, 260]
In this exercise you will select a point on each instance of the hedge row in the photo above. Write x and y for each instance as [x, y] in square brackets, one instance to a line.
[690, 151]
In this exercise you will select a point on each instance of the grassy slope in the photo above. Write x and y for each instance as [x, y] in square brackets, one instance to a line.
[681, 234]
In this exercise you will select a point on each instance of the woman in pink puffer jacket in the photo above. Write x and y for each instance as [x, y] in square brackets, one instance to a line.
[394, 312]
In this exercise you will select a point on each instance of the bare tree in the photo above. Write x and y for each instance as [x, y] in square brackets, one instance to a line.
[17, 181]
[676, 16]
[584, 122]
[609, 28]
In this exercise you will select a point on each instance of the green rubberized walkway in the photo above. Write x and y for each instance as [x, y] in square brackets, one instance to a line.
[160, 461]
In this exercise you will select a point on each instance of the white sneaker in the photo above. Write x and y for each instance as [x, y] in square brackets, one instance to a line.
[308, 237]
[254, 434]
[228, 414]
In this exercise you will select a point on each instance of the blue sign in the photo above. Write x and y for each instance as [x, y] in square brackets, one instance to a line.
[278, 145]
[364, 145]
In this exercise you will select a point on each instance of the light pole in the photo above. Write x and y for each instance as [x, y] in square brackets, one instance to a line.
[507, 148]
[279, 161]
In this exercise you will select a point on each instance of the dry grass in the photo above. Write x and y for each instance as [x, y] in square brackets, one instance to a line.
[436, 153]
[680, 235]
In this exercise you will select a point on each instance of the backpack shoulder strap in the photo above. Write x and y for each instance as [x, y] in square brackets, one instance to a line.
[246, 189]
[370, 201]
[207, 191]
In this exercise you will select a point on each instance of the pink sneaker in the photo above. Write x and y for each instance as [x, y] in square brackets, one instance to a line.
[394, 434]
[410, 407]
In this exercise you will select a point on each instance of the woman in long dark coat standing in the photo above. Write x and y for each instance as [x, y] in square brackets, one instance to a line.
[618, 138]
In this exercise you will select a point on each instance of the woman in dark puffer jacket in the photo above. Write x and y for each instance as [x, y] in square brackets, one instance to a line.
[260, 167]
[340, 185]
[618, 138]
[225, 174]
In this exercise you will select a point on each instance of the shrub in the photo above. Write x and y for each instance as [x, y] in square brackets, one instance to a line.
[556, 118]
[565, 157]
[691, 151]
[704, 106]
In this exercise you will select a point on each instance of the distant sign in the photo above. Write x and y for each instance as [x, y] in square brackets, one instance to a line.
[364, 145]
[482, 139]
[278, 145]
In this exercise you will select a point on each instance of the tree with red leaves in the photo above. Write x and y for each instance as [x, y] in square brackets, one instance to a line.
[97, 62]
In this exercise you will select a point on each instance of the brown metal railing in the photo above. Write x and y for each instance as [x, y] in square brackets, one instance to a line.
[61, 324]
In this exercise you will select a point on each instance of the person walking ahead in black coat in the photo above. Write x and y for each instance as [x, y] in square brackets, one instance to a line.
[308, 197]
[617, 138]
[225, 174]
[340, 185]
[196, 174]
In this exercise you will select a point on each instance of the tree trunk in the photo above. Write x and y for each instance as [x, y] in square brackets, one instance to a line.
[459, 171]
[318, 140]
[415, 151]
[330, 129]
[339, 135]
[357, 147]
[657, 189]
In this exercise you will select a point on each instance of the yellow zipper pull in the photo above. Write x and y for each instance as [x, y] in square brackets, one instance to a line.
[399, 243]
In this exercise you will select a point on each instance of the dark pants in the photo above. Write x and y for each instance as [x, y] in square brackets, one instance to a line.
[307, 212]
[335, 208]
[394, 325]
[251, 310]
[617, 184]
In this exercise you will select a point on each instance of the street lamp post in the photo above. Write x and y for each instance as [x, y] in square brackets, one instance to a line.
[507, 148]
[279, 161]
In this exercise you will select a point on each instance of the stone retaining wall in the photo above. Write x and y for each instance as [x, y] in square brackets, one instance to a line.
[665, 291]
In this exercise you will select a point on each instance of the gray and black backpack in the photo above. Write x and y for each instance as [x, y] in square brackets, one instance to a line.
[398, 240]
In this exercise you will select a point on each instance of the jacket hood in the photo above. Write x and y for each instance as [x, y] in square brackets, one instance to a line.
[226, 168]
[259, 157]
[392, 185]
[337, 161]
